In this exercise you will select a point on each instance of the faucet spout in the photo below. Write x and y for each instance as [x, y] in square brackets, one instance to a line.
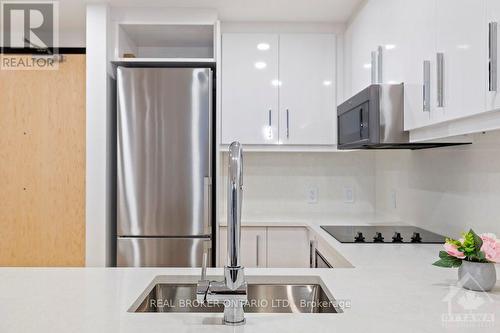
[232, 292]
[234, 199]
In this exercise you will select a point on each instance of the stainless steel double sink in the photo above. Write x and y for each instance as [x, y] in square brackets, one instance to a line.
[266, 294]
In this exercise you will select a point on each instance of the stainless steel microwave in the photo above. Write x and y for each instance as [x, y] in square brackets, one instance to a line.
[374, 119]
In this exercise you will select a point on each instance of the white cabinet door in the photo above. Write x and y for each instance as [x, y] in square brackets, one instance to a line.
[307, 89]
[253, 246]
[287, 247]
[392, 40]
[417, 47]
[362, 38]
[460, 38]
[493, 16]
[250, 88]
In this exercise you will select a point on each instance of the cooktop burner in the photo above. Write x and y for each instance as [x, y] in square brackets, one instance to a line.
[383, 234]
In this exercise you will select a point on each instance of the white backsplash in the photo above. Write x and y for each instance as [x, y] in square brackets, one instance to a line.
[277, 185]
[447, 190]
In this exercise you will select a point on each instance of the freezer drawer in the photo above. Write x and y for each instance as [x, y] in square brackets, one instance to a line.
[162, 252]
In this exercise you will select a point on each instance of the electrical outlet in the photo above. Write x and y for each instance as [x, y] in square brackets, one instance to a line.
[312, 195]
[348, 194]
[394, 201]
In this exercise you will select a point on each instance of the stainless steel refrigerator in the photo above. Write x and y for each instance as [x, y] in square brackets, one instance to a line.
[164, 166]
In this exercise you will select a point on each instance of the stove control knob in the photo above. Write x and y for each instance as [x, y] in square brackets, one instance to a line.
[416, 238]
[359, 238]
[397, 238]
[378, 238]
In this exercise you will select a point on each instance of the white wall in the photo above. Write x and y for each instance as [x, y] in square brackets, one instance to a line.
[447, 190]
[98, 139]
[276, 184]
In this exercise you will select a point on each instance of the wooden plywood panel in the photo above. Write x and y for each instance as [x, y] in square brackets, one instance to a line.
[42, 166]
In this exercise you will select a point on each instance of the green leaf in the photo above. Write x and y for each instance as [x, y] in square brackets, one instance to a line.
[478, 242]
[468, 246]
[443, 254]
[448, 262]
[453, 241]
[480, 257]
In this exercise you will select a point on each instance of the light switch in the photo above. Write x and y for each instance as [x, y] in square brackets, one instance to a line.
[348, 194]
[312, 195]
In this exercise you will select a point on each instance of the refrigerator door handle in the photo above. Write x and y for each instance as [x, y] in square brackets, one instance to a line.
[207, 185]
[206, 261]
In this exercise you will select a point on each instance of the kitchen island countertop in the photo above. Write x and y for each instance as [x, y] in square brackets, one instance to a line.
[392, 288]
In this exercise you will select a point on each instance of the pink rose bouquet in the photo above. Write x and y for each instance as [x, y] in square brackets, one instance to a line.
[472, 247]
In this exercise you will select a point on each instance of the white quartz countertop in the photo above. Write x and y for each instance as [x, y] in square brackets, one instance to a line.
[392, 288]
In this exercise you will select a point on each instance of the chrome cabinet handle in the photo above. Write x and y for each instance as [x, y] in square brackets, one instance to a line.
[379, 64]
[440, 79]
[313, 244]
[374, 68]
[287, 124]
[493, 53]
[204, 266]
[257, 242]
[207, 184]
[427, 86]
[270, 120]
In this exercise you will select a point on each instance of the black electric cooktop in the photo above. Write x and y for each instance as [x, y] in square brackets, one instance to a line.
[383, 234]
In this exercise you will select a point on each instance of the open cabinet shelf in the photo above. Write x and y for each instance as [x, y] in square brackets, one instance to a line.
[140, 42]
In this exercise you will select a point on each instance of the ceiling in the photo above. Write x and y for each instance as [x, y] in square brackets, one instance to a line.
[72, 12]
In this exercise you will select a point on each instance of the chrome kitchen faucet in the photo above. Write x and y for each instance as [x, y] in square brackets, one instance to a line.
[232, 292]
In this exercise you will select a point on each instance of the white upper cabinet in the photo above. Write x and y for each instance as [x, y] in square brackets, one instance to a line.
[250, 88]
[278, 89]
[307, 89]
[415, 48]
[460, 40]
[436, 47]
[492, 81]
[362, 40]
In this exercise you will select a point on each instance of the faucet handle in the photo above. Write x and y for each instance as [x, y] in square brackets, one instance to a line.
[204, 266]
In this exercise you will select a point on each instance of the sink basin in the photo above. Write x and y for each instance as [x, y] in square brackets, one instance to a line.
[262, 298]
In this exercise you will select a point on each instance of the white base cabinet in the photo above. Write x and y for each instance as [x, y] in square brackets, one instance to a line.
[270, 247]
[253, 246]
[288, 247]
